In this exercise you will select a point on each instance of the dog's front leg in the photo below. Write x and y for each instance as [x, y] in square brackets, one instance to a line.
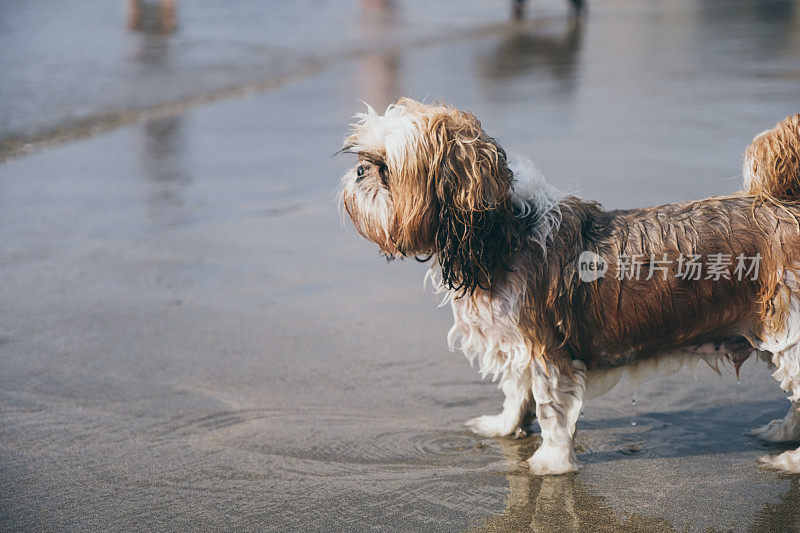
[559, 400]
[517, 388]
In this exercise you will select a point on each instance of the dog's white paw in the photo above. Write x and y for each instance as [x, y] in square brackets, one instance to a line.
[491, 426]
[777, 431]
[550, 460]
[787, 462]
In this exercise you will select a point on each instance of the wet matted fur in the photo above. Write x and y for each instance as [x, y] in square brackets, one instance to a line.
[505, 249]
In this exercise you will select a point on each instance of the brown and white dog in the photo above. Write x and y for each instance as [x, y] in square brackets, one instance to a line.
[542, 286]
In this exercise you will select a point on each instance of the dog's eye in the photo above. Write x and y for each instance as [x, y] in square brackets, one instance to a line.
[360, 171]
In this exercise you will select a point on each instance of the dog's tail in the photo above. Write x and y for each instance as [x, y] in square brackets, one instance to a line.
[772, 163]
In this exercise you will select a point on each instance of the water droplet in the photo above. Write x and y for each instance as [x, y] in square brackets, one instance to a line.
[633, 401]
[633, 422]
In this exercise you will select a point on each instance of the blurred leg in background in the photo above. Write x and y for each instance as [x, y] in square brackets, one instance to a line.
[518, 7]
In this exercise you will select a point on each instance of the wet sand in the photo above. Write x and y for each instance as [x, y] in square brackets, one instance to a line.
[192, 339]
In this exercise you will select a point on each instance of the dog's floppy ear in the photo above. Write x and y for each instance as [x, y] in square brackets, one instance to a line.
[477, 232]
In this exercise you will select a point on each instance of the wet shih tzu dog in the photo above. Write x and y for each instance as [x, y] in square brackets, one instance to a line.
[559, 298]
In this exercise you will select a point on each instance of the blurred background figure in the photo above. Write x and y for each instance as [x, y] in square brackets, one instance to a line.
[578, 7]
[151, 17]
[154, 21]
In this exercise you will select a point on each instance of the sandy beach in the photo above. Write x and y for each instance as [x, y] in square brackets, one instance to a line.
[193, 339]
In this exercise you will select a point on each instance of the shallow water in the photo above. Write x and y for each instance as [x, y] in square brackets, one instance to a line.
[192, 338]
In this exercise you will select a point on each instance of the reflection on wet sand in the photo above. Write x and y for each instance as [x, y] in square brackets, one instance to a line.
[162, 147]
[773, 29]
[525, 50]
[566, 503]
[162, 161]
[379, 73]
[556, 503]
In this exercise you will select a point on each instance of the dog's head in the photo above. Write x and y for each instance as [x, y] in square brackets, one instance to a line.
[430, 182]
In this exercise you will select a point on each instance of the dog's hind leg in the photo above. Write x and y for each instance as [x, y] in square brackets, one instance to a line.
[517, 388]
[559, 400]
[784, 344]
[786, 429]
[788, 462]
[787, 362]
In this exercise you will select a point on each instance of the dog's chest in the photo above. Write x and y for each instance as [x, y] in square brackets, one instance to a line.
[486, 329]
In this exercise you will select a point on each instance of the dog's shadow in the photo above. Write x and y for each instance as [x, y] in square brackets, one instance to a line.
[680, 434]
